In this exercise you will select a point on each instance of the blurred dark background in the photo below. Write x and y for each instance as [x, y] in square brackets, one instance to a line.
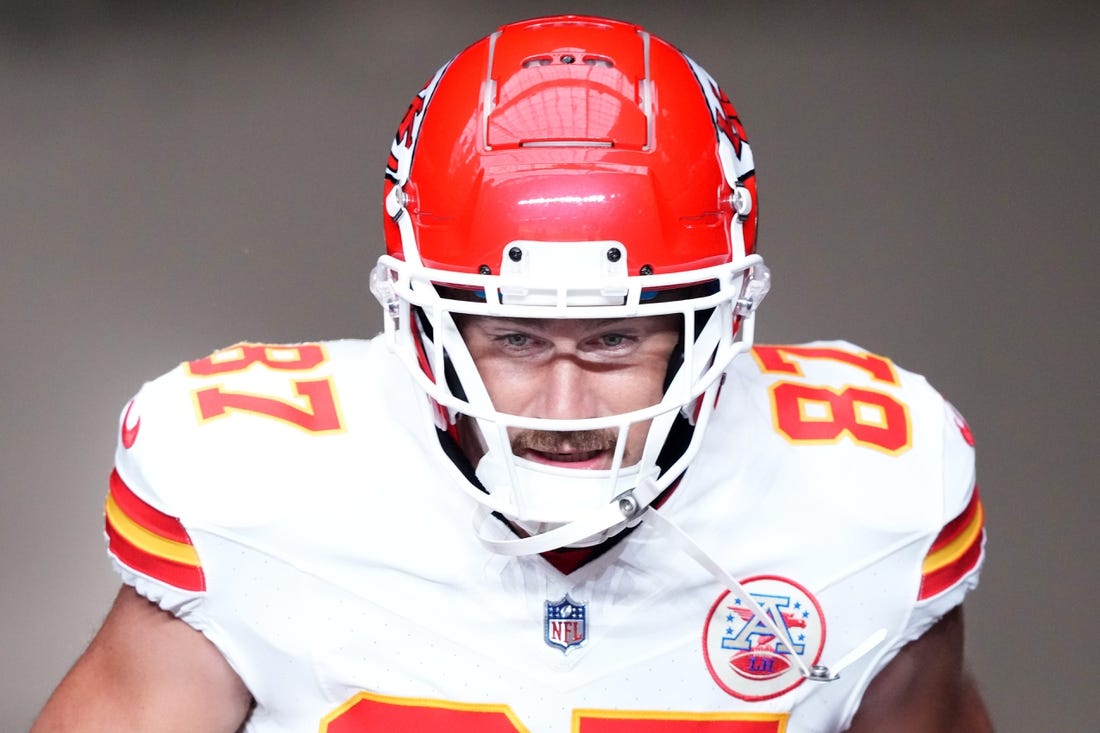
[178, 176]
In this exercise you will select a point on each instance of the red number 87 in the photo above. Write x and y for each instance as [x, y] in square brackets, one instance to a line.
[314, 406]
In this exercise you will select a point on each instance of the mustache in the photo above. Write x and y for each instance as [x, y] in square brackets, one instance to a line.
[561, 441]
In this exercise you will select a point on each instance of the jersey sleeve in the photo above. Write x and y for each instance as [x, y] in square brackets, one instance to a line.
[147, 540]
[953, 559]
[946, 562]
[203, 476]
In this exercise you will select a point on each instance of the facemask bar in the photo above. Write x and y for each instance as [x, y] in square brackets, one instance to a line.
[551, 494]
[623, 510]
[395, 282]
[400, 286]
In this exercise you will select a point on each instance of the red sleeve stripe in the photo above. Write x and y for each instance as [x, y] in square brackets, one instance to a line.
[956, 551]
[934, 583]
[144, 515]
[959, 524]
[149, 541]
[180, 575]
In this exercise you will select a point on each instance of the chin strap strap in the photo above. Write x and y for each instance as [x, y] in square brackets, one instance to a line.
[816, 673]
[623, 510]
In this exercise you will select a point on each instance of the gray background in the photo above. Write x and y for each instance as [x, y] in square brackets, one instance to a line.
[173, 180]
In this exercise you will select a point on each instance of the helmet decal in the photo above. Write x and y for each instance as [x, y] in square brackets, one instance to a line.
[726, 122]
[399, 163]
[725, 116]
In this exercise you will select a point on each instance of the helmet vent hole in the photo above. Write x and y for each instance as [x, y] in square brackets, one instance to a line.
[537, 61]
[599, 61]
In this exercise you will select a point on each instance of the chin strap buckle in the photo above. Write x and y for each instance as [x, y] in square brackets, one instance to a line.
[821, 673]
[628, 505]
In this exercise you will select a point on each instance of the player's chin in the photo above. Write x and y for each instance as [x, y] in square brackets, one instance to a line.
[579, 460]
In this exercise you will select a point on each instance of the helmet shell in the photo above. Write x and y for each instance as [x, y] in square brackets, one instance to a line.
[566, 129]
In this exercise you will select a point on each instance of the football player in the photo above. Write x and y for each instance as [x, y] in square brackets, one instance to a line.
[562, 491]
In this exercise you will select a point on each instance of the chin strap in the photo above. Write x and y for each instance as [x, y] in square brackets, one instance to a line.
[625, 509]
[816, 673]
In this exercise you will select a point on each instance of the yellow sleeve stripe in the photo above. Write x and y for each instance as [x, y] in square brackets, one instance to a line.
[958, 546]
[147, 541]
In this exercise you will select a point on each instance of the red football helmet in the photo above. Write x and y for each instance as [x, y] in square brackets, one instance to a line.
[571, 167]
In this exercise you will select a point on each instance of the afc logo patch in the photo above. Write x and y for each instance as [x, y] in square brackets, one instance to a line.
[565, 624]
[744, 656]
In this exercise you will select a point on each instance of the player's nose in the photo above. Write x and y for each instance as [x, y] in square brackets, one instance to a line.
[566, 391]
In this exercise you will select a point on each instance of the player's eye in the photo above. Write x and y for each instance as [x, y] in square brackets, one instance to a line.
[613, 340]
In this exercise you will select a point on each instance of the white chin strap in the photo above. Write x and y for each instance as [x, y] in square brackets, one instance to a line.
[552, 495]
[590, 528]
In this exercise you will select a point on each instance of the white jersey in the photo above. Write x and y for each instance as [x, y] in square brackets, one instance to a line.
[293, 504]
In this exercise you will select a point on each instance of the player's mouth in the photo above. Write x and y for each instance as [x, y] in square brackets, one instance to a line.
[587, 449]
[572, 459]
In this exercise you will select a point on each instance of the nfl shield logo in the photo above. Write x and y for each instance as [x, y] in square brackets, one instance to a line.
[566, 624]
